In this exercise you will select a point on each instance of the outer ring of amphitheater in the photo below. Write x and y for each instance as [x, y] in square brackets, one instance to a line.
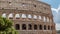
[32, 11]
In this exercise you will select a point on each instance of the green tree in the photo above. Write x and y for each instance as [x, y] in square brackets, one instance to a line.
[6, 26]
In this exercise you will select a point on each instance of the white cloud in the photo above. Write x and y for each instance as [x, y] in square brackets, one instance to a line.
[57, 26]
[59, 8]
[56, 19]
[54, 9]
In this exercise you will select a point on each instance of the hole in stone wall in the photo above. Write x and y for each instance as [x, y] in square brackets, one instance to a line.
[23, 26]
[40, 27]
[48, 27]
[17, 26]
[29, 26]
[17, 16]
[23, 16]
[35, 27]
[10, 16]
[10, 3]
[34, 5]
[44, 27]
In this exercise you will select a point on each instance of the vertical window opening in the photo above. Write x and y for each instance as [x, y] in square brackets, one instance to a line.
[23, 26]
[35, 27]
[29, 26]
[17, 26]
[48, 27]
[40, 27]
[44, 27]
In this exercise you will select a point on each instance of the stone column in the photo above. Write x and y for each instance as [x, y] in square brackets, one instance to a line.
[27, 26]
[32, 26]
[46, 19]
[42, 18]
[20, 26]
[38, 26]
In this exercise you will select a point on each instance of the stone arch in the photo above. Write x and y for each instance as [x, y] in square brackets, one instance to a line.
[29, 27]
[50, 20]
[44, 18]
[51, 27]
[40, 27]
[29, 16]
[17, 16]
[40, 17]
[23, 26]
[48, 27]
[44, 27]
[35, 27]
[23, 16]
[34, 16]
[10, 16]
[47, 19]
[17, 26]
[4, 15]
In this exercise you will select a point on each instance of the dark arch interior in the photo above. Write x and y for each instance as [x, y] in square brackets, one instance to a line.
[29, 26]
[35, 27]
[17, 26]
[23, 26]
[40, 27]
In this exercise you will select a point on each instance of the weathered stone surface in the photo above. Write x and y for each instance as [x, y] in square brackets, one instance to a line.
[32, 7]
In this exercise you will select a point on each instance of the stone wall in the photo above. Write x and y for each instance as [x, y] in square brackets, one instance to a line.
[40, 14]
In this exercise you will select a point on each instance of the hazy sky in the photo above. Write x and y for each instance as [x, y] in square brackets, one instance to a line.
[55, 6]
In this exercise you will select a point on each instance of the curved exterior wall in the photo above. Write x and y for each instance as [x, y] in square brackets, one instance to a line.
[33, 8]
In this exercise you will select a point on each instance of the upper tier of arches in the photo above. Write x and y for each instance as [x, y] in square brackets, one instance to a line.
[26, 5]
[24, 16]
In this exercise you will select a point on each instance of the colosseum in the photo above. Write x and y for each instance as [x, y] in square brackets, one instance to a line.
[29, 16]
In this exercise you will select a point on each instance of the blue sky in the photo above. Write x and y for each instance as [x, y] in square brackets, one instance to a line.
[55, 6]
[53, 3]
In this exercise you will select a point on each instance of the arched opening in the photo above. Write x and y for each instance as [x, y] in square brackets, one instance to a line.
[39, 17]
[23, 26]
[44, 27]
[35, 17]
[35, 27]
[17, 26]
[51, 27]
[10, 16]
[4, 15]
[47, 19]
[23, 15]
[29, 16]
[40, 27]
[48, 27]
[34, 5]
[17, 16]
[44, 19]
[29, 27]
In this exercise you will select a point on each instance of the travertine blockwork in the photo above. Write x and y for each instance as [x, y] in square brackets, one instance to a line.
[29, 16]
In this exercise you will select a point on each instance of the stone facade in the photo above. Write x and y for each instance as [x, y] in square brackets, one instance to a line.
[29, 16]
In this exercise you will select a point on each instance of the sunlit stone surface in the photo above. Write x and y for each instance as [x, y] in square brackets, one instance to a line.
[29, 16]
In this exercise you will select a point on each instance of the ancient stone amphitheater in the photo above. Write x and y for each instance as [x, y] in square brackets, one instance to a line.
[29, 16]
